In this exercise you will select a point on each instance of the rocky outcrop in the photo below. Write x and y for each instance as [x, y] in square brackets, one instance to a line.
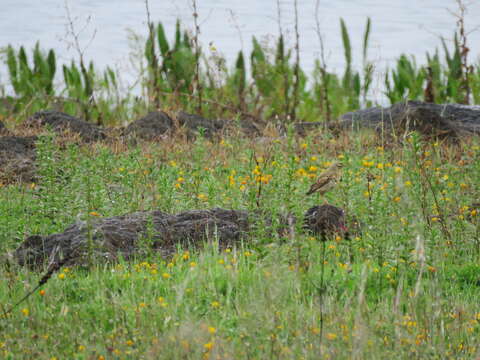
[132, 235]
[17, 159]
[64, 123]
[431, 120]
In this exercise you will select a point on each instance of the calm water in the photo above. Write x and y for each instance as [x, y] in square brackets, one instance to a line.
[399, 26]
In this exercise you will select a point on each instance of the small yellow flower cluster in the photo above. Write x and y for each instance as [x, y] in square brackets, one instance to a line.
[368, 164]
[265, 179]
[202, 197]
[63, 273]
[161, 301]
[146, 266]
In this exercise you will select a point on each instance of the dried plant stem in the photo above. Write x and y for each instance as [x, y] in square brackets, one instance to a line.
[296, 86]
[86, 77]
[323, 65]
[464, 50]
[213, 102]
[322, 292]
[420, 254]
[196, 81]
[44, 279]
[154, 65]
[286, 82]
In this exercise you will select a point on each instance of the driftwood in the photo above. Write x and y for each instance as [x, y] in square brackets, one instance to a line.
[130, 236]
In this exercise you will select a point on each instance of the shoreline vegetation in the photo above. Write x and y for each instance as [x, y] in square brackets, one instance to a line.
[223, 255]
[267, 85]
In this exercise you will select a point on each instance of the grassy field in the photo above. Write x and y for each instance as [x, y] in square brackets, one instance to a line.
[407, 287]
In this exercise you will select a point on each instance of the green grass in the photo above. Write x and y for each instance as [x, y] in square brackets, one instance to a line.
[407, 287]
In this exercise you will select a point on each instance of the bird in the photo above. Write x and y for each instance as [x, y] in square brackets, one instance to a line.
[327, 179]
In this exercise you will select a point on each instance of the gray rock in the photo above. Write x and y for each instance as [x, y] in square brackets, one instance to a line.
[61, 122]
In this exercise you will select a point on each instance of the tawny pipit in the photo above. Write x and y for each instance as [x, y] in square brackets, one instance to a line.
[327, 179]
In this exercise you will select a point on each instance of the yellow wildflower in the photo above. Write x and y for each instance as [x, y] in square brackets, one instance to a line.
[331, 336]
[208, 346]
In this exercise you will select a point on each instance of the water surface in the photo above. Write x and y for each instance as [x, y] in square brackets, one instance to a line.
[399, 26]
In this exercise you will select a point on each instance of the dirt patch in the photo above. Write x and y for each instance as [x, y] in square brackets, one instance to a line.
[132, 235]
[129, 235]
[327, 221]
[154, 126]
[17, 159]
[444, 121]
[3, 130]
[64, 123]
[158, 125]
[195, 124]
